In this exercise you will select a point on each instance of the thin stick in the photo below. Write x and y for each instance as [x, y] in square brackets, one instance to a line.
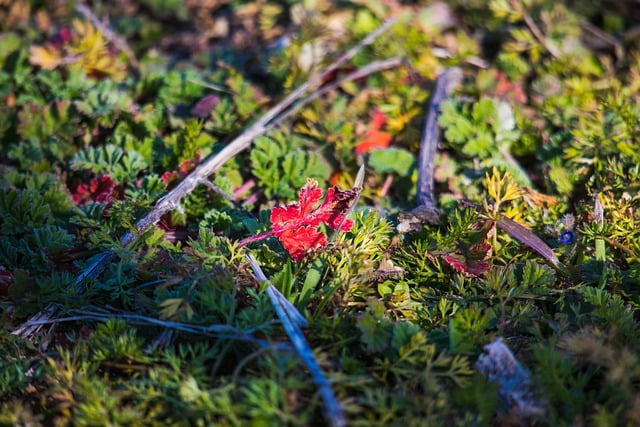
[427, 211]
[535, 30]
[446, 82]
[372, 68]
[203, 171]
[218, 331]
[291, 321]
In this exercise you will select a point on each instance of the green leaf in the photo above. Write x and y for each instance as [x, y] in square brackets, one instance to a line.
[536, 275]
[282, 165]
[392, 160]
[22, 211]
[111, 160]
[52, 239]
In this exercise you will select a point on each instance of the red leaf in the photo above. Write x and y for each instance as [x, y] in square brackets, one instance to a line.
[99, 189]
[471, 261]
[295, 224]
[378, 119]
[6, 280]
[508, 90]
[301, 241]
[169, 177]
[188, 165]
[61, 38]
[205, 106]
[374, 137]
[470, 257]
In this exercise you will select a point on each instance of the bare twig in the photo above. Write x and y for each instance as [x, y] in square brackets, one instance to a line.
[117, 41]
[515, 386]
[427, 211]
[292, 320]
[218, 331]
[365, 71]
[535, 30]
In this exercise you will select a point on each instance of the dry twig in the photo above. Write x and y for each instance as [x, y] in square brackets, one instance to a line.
[217, 331]
[535, 30]
[203, 171]
[292, 320]
[427, 211]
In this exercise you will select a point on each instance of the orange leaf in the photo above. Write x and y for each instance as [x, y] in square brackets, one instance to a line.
[45, 56]
[374, 139]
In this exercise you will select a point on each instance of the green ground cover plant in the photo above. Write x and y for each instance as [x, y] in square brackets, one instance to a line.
[124, 304]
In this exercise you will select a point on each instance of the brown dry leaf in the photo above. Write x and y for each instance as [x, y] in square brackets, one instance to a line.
[47, 56]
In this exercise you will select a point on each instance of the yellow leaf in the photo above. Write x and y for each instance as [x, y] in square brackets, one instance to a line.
[501, 188]
[46, 57]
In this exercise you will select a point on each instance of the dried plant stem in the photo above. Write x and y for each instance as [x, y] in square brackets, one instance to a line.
[535, 30]
[292, 320]
[427, 211]
[446, 82]
[203, 171]
[218, 331]
[367, 70]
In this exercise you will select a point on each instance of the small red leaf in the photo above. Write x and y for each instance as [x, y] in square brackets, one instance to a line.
[6, 280]
[508, 90]
[169, 177]
[471, 261]
[205, 106]
[470, 258]
[99, 189]
[188, 165]
[295, 224]
[378, 119]
[374, 137]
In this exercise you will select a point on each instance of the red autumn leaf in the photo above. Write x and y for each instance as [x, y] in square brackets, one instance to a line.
[169, 177]
[471, 260]
[470, 256]
[188, 165]
[301, 241]
[6, 280]
[374, 137]
[184, 168]
[378, 119]
[61, 38]
[508, 90]
[205, 106]
[99, 190]
[295, 224]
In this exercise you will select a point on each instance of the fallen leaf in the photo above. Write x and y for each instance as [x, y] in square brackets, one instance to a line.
[296, 223]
